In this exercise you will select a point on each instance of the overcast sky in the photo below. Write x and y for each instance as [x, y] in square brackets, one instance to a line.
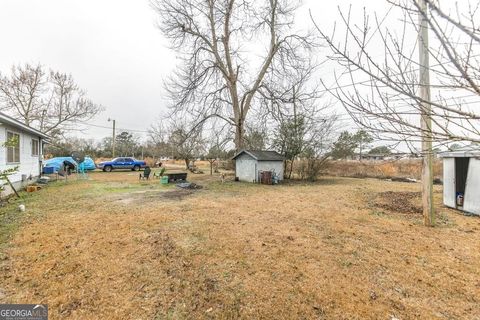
[113, 50]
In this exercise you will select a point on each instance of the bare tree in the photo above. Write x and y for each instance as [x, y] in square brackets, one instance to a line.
[51, 103]
[218, 42]
[185, 142]
[23, 92]
[158, 140]
[183, 139]
[382, 93]
[390, 95]
[217, 145]
[297, 110]
[67, 105]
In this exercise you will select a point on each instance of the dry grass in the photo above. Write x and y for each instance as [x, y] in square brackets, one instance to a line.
[381, 169]
[120, 249]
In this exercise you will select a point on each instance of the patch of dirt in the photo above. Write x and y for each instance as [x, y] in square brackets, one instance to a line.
[177, 194]
[401, 201]
[149, 195]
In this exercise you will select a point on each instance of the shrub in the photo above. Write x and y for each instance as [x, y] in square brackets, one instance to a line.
[405, 168]
[310, 168]
[226, 165]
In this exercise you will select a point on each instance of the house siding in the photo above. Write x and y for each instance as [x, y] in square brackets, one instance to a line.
[29, 165]
[276, 166]
[247, 168]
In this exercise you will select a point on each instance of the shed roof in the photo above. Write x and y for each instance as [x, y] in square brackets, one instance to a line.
[465, 152]
[262, 155]
[5, 119]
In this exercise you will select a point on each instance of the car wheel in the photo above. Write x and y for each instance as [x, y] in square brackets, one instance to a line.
[136, 168]
[107, 169]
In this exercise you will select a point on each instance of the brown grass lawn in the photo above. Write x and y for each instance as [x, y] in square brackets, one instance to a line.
[115, 248]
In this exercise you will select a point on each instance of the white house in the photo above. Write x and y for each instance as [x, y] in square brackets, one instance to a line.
[27, 155]
[249, 164]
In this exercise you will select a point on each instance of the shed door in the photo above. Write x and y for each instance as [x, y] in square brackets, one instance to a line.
[472, 189]
[449, 187]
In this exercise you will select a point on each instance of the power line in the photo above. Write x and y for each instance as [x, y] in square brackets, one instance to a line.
[109, 128]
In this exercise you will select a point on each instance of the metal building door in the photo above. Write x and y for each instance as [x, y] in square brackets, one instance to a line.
[472, 188]
[449, 187]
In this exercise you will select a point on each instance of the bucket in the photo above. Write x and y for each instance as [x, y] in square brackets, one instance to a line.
[164, 180]
[460, 199]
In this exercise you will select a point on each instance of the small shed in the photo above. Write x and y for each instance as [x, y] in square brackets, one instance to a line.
[461, 180]
[249, 164]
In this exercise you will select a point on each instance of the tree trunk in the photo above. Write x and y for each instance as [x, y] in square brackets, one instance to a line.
[239, 135]
[187, 162]
[291, 169]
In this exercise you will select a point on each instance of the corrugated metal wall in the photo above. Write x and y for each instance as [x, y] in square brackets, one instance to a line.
[452, 182]
[449, 182]
[472, 190]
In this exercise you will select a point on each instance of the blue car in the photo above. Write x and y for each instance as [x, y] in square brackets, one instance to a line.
[122, 163]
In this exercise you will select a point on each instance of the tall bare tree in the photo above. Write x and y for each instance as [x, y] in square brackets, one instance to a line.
[52, 103]
[67, 105]
[386, 93]
[382, 92]
[23, 92]
[219, 42]
[302, 119]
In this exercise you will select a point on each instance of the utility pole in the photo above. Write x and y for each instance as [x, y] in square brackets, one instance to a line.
[113, 138]
[426, 120]
[44, 112]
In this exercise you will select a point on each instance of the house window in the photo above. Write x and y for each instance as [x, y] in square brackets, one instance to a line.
[13, 147]
[35, 148]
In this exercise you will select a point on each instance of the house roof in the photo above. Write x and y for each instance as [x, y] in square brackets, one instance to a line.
[5, 119]
[465, 152]
[262, 155]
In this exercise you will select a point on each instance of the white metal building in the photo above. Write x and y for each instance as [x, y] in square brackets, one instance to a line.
[249, 164]
[27, 155]
[461, 177]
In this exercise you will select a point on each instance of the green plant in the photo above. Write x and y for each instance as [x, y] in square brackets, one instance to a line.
[11, 143]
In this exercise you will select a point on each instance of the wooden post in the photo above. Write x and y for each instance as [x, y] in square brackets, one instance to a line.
[113, 137]
[11, 186]
[426, 120]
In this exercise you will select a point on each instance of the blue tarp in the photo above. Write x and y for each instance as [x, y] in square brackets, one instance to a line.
[89, 164]
[57, 162]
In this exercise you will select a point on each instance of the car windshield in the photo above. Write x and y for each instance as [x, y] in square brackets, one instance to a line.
[117, 160]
